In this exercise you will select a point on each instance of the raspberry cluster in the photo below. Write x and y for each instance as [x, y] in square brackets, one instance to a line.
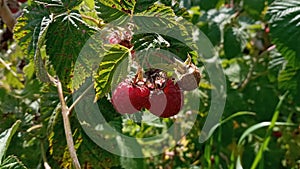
[122, 36]
[160, 94]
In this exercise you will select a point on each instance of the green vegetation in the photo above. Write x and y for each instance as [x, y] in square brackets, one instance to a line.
[41, 67]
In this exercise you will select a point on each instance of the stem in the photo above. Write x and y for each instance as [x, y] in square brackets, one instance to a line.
[99, 22]
[79, 98]
[267, 137]
[46, 165]
[8, 67]
[251, 69]
[6, 15]
[247, 80]
[65, 112]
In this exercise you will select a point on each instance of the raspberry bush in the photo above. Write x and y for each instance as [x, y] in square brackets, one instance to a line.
[146, 83]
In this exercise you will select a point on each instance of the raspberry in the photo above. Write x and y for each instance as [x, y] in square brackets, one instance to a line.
[190, 80]
[168, 102]
[129, 98]
[139, 97]
[190, 75]
[114, 40]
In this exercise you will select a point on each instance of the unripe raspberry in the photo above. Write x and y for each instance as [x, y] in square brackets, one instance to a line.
[114, 40]
[190, 80]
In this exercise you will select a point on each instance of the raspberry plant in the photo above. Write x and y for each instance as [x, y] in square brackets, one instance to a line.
[41, 44]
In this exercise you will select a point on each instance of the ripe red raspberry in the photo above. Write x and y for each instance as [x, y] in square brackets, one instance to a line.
[277, 134]
[130, 98]
[139, 97]
[168, 102]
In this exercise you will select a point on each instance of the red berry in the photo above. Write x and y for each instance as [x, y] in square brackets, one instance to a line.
[267, 30]
[277, 134]
[139, 97]
[129, 98]
[167, 103]
[14, 10]
[158, 101]
[120, 99]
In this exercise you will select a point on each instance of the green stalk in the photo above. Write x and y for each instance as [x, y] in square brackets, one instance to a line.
[267, 138]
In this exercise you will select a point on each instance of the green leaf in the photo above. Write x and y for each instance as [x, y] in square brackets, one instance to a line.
[142, 5]
[234, 42]
[113, 56]
[213, 32]
[210, 4]
[41, 71]
[259, 126]
[5, 138]
[158, 29]
[30, 31]
[284, 28]
[237, 70]
[28, 27]
[158, 10]
[254, 7]
[267, 137]
[95, 156]
[178, 9]
[242, 113]
[64, 40]
[12, 162]
[14, 80]
[288, 79]
[110, 10]
[212, 23]
[61, 6]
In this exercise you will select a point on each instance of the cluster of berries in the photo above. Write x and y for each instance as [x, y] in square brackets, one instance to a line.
[157, 93]
[120, 36]
[161, 95]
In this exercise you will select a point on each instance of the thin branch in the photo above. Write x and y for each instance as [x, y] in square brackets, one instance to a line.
[46, 165]
[248, 78]
[251, 69]
[65, 112]
[6, 15]
[8, 67]
[79, 98]
[99, 22]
